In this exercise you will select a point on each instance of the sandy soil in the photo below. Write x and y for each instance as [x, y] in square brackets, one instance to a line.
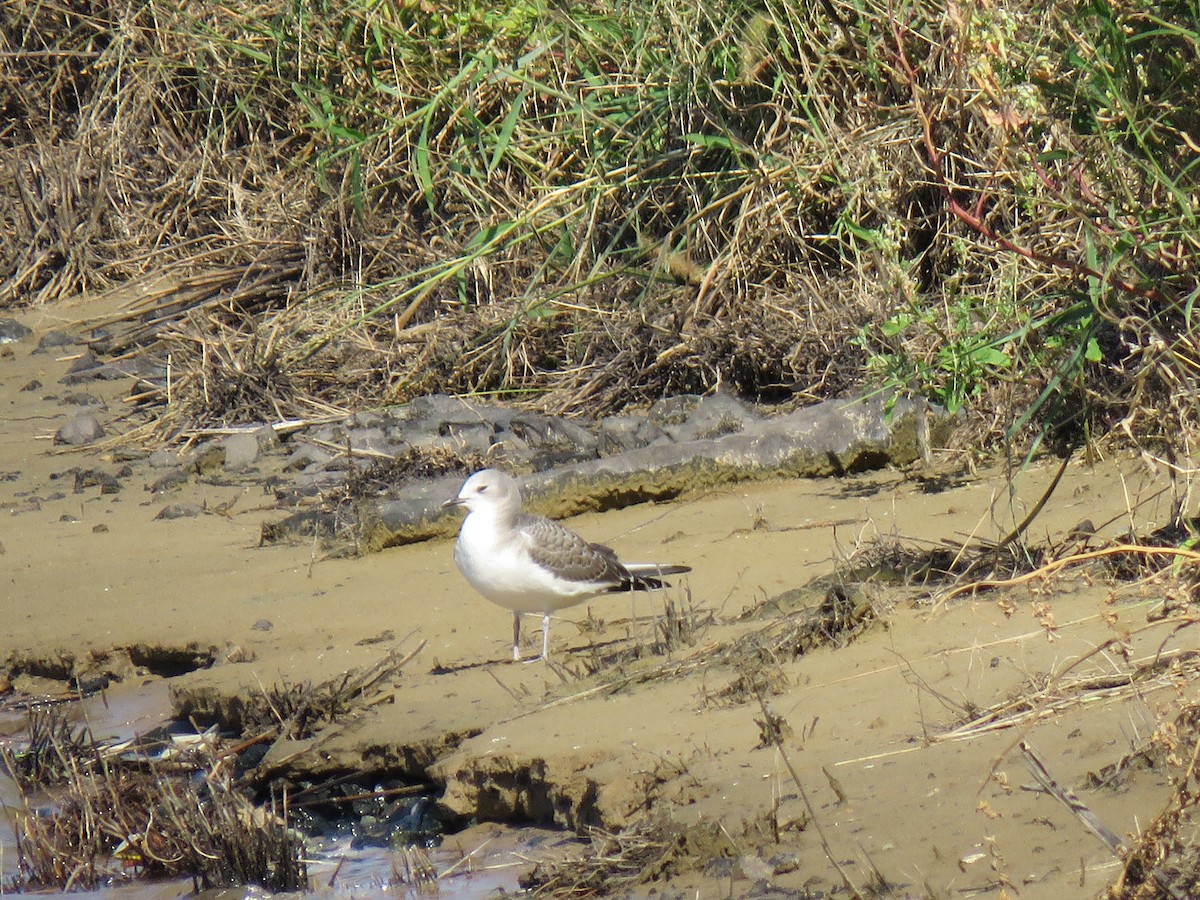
[92, 581]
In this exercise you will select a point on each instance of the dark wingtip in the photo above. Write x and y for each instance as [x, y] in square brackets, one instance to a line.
[631, 581]
[642, 583]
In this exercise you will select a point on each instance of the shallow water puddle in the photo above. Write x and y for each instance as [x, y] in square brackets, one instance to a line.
[483, 861]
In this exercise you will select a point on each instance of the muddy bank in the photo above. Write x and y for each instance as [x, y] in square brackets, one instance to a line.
[643, 716]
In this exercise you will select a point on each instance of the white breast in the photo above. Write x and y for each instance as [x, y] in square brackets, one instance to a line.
[502, 570]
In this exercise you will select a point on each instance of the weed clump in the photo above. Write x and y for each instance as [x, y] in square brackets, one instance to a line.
[195, 806]
[114, 817]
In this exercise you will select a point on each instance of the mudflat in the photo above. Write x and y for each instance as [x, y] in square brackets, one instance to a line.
[887, 752]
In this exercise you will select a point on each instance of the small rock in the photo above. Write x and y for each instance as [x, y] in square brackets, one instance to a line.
[162, 459]
[12, 331]
[178, 511]
[207, 459]
[99, 529]
[81, 430]
[67, 517]
[52, 340]
[85, 368]
[306, 455]
[169, 482]
[241, 451]
[82, 398]
[267, 439]
[32, 385]
[262, 625]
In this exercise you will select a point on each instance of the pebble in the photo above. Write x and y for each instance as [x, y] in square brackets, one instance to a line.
[162, 459]
[169, 482]
[82, 398]
[241, 451]
[85, 368]
[53, 340]
[79, 431]
[178, 511]
[12, 331]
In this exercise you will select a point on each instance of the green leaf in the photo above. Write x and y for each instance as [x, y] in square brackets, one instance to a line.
[490, 235]
[252, 52]
[504, 138]
[895, 325]
[711, 141]
[991, 356]
[421, 160]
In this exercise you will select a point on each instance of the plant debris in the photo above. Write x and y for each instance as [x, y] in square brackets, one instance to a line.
[114, 817]
[175, 805]
[647, 851]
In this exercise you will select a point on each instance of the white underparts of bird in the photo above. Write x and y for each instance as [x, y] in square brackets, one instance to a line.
[533, 565]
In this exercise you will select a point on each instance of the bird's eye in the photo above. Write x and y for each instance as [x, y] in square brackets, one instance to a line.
[481, 489]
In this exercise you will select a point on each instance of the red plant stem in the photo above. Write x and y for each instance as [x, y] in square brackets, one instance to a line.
[976, 220]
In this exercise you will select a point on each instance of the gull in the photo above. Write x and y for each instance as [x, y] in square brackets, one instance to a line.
[531, 564]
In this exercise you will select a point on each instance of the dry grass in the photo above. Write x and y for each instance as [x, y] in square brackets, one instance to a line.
[1166, 855]
[645, 852]
[115, 818]
[580, 210]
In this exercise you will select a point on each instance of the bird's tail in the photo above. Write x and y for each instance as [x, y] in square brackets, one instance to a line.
[648, 576]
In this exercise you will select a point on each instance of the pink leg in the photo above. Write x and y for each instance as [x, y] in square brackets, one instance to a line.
[546, 636]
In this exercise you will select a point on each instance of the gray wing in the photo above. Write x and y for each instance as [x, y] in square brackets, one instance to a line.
[558, 548]
[563, 551]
